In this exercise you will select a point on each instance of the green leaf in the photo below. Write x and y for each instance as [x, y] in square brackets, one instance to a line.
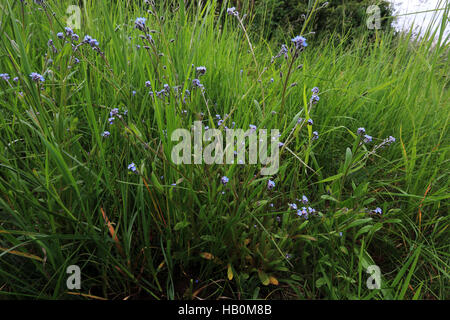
[332, 178]
[327, 197]
[320, 282]
[407, 281]
[348, 159]
[265, 280]
[296, 277]
[181, 225]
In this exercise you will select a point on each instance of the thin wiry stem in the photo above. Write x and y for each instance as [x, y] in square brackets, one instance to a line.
[256, 62]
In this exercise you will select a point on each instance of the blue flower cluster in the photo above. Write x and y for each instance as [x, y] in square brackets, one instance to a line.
[139, 24]
[132, 167]
[299, 42]
[232, 11]
[4, 76]
[36, 77]
[304, 212]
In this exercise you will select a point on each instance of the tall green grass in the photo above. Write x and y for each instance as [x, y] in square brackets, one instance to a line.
[66, 196]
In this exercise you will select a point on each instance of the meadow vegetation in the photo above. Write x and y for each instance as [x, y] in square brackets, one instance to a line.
[86, 176]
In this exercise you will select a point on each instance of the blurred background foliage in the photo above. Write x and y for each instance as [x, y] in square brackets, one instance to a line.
[340, 18]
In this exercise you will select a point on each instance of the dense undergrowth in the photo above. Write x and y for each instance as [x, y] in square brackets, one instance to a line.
[86, 176]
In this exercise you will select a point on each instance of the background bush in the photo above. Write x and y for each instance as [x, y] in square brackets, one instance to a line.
[339, 17]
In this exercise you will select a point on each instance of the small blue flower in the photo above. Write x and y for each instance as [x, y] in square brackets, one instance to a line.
[133, 93]
[252, 127]
[106, 134]
[284, 51]
[299, 42]
[310, 122]
[367, 138]
[224, 180]
[270, 184]
[201, 70]
[304, 199]
[16, 79]
[196, 83]
[315, 98]
[132, 167]
[361, 131]
[378, 211]
[87, 39]
[75, 37]
[60, 35]
[315, 90]
[161, 94]
[389, 140]
[93, 43]
[4, 76]
[69, 31]
[36, 77]
[315, 135]
[114, 112]
[111, 120]
[292, 206]
[139, 24]
[76, 61]
[302, 213]
[232, 11]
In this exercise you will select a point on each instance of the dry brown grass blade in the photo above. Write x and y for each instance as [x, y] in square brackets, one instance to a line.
[22, 254]
[157, 208]
[90, 296]
[421, 203]
[112, 232]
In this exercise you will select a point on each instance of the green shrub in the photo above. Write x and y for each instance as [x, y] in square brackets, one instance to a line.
[275, 17]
